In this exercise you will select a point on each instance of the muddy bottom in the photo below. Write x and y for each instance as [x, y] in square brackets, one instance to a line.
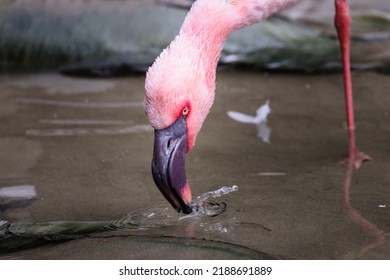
[79, 151]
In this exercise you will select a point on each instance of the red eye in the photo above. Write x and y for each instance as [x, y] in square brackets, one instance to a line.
[185, 111]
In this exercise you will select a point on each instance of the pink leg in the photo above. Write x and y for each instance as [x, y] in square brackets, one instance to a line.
[342, 23]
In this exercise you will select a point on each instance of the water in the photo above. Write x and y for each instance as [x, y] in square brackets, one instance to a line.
[78, 171]
[206, 209]
[117, 130]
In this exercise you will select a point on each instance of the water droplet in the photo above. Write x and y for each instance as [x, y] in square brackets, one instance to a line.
[205, 207]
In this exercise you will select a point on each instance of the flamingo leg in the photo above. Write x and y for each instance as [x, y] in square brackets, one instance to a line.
[343, 23]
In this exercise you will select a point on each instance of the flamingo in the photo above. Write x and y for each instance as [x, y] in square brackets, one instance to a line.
[180, 85]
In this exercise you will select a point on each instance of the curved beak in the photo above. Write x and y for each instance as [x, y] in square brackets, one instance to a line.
[168, 165]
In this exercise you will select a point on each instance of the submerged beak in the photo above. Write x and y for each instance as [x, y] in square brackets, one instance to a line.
[168, 168]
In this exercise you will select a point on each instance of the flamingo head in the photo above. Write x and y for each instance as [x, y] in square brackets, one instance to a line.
[180, 86]
[177, 101]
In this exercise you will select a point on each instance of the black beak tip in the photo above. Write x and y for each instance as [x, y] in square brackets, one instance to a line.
[187, 209]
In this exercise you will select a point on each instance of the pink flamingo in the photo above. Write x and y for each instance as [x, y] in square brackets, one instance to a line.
[180, 85]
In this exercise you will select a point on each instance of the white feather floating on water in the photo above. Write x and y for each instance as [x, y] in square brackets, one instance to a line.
[240, 117]
[260, 120]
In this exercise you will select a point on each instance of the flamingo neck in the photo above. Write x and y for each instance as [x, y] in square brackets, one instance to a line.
[184, 73]
[205, 29]
[210, 22]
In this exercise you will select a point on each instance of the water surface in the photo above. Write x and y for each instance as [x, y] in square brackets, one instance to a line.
[82, 154]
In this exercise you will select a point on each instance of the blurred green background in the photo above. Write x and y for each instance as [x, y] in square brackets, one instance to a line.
[117, 37]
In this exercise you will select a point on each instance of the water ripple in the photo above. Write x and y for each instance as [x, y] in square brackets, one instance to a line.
[84, 122]
[79, 131]
[205, 207]
[80, 104]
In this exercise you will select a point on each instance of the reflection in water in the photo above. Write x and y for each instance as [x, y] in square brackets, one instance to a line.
[260, 120]
[366, 225]
[53, 83]
[80, 131]
[84, 122]
[272, 173]
[16, 196]
[116, 127]
[80, 104]
[15, 236]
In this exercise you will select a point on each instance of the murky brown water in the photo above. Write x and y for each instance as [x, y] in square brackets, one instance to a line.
[82, 148]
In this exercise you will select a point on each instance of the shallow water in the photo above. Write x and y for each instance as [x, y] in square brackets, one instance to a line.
[81, 154]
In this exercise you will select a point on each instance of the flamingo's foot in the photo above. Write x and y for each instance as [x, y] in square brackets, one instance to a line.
[357, 160]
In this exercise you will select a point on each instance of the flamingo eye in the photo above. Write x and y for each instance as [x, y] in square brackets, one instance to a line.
[185, 111]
